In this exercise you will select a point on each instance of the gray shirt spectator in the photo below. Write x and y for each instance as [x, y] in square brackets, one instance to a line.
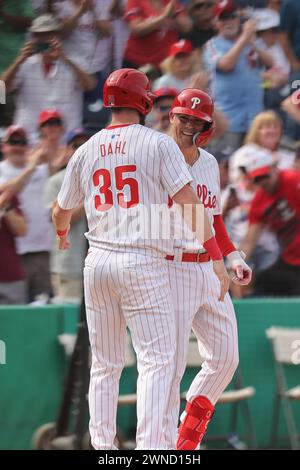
[86, 32]
[290, 27]
[44, 77]
[234, 62]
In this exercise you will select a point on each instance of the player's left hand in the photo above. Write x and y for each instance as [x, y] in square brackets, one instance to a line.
[242, 272]
[62, 239]
[63, 243]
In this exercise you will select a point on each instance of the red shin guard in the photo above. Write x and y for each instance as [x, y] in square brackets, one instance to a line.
[191, 431]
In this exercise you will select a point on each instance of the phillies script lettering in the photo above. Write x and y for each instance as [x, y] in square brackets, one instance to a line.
[205, 196]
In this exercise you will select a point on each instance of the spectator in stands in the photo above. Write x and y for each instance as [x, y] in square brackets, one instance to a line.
[154, 25]
[290, 34]
[290, 40]
[265, 133]
[120, 32]
[86, 33]
[51, 130]
[43, 76]
[161, 108]
[67, 266]
[178, 67]
[236, 202]
[204, 28]
[28, 181]
[234, 62]
[276, 78]
[15, 18]
[12, 224]
[276, 205]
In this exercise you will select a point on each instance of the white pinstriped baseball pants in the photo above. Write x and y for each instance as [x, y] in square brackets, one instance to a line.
[195, 289]
[129, 289]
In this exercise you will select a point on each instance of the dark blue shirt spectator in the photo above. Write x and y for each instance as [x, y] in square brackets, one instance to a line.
[290, 23]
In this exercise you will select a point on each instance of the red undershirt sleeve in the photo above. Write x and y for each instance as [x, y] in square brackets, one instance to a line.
[225, 244]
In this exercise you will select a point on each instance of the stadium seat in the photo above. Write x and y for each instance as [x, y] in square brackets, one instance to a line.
[286, 351]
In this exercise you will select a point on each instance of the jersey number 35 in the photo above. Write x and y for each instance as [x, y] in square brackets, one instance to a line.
[103, 181]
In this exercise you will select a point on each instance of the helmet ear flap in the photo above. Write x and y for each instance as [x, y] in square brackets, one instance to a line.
[202, 138]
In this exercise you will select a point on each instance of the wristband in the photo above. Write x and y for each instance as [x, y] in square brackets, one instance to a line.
[213, 249]
[63, 233]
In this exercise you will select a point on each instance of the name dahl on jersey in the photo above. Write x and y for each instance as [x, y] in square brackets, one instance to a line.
[113, 148]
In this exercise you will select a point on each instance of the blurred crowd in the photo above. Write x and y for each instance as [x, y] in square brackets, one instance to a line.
[55, 57]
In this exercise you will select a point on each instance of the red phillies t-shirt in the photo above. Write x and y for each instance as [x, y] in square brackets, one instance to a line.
[10, 264]
[153, 47]
[281, 213]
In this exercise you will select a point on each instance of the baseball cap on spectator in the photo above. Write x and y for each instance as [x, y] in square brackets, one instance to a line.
[260, 164]
[14, 130]
[44, 24]
[165, 92]
[49, 114]
[180, 47]
[225, 8]
[266, 19]
[71, 135]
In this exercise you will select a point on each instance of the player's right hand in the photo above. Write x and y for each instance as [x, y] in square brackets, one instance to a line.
[222, 274]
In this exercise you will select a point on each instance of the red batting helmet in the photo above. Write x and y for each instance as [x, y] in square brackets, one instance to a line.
[197, 103]
[128, 88]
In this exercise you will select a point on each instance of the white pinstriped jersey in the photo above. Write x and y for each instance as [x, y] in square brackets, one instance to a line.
[121, 173]
[206, 183]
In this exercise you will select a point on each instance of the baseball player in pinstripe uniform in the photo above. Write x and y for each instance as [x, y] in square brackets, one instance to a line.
[195, 286]
[123, 168]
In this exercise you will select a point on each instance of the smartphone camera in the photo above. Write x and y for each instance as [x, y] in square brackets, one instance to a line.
[42, 47]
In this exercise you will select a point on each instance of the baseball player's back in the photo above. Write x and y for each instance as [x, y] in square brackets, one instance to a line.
[122, 174]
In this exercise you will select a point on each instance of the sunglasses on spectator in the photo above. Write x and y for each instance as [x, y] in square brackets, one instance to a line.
[16, 141]
[259, 179]
[52, 123]
[204, 5]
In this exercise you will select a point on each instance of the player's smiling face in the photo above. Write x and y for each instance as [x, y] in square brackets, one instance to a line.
[184, 128]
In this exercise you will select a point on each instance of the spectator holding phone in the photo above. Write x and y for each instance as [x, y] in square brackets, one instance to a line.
[44, 77]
